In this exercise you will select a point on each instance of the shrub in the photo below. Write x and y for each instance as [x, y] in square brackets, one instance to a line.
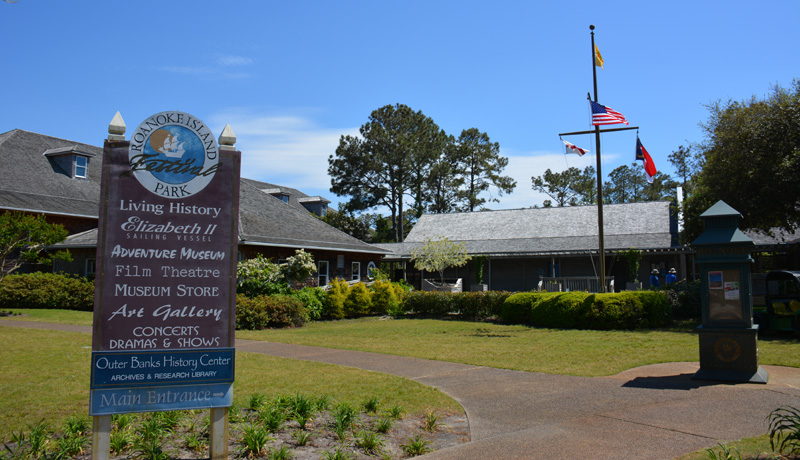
[566, 310]
[250, 314]
[476, 306]
[313, 299]
[299, 267]
[335, 298]
[684, 299]
[46, 290]
[285, 311]
[386, 297]
[358, 301]
[429, 303]
[560, 311]
[257, 276]
[516, 308]
[269, 311]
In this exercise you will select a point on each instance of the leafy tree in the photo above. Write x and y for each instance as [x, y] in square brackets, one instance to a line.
[358, 226]
[570, 187]
[686, 164]
[24, 238]
[628, 184]
[479, 163]
[438, 255]
[751, 156]
[444, 183]
[388, 162]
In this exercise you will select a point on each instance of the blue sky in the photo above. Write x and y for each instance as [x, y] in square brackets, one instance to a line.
[291, 77]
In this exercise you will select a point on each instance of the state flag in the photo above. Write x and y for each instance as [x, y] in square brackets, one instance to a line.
[598, 58]
[649, 166]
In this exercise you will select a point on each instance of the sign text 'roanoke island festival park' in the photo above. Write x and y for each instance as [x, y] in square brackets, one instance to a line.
[163, 326]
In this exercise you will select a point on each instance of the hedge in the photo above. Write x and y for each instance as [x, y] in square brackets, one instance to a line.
[467, 305]
[46, 290]
[265, 311]
[582, 310]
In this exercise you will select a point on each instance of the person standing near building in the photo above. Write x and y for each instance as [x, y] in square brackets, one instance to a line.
[672, 277]
[654, 281]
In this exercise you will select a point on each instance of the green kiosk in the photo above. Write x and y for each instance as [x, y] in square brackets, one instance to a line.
[728, 348]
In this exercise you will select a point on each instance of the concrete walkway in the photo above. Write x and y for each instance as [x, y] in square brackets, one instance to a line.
[651, 412]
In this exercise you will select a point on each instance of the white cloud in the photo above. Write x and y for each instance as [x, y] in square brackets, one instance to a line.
[288, 150]
[219, 68]
[231, 60]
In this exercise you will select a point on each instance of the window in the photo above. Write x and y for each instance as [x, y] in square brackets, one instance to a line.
[80, 166]
[89, 268]
[284, 198]
[322, 272]
[355, 274]
[371, 270]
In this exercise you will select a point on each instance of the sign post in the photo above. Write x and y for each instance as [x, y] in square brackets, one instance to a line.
[163, 336]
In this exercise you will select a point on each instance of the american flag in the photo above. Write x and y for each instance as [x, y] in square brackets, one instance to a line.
[602, 115]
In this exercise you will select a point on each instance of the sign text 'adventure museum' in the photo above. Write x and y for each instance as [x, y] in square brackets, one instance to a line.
[166, 271]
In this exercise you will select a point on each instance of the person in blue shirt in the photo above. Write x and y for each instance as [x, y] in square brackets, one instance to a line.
[671, 277]
[654, 281]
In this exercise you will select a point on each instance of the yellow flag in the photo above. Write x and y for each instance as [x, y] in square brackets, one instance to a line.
[598, 58]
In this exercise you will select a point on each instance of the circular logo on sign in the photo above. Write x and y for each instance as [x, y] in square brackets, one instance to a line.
[173, 154]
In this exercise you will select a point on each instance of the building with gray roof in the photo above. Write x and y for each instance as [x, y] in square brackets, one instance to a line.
[520, 247]
[61, 179]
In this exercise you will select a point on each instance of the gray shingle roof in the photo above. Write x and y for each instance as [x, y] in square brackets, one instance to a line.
[267, 220]
[31, 181]
[546, 230]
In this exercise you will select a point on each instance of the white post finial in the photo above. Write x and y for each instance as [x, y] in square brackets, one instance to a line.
[227, 139]
[116, 128]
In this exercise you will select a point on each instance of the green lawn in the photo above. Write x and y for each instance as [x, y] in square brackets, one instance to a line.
[749, 448]
[51, 315]
[572, 352]
[46, 377]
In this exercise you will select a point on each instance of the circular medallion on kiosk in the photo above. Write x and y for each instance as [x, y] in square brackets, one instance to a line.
[727, 349]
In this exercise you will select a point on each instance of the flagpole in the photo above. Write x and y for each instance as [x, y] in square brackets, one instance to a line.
[601, 242]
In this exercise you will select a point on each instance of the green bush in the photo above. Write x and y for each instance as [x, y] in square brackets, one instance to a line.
[386, 297]
[478, 306]
[250, 314]
[333, 307]
[684, 299]
[358, 301]
[313, 299]
[568, 310]
[46, 290]
[269, 311]
[467, 305]
[561, 311]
